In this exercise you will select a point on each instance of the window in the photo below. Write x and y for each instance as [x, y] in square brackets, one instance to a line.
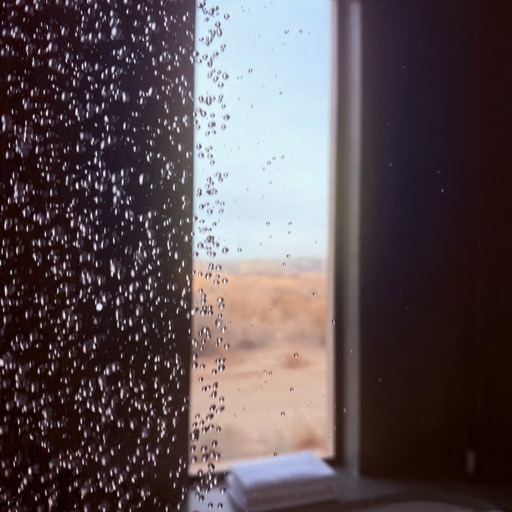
[262, 351]
[96, 219]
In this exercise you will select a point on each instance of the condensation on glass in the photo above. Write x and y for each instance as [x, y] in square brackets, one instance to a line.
[96, 220]
[261, 348]
[101, 338]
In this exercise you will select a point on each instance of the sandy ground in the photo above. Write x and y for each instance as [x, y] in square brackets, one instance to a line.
[270, 392]
[260, 380]
[275, 400]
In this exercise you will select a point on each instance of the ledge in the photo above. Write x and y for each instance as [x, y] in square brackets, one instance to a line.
[357, 492]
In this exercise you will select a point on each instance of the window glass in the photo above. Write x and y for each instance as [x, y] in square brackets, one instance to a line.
[261, 349]
[95, 241]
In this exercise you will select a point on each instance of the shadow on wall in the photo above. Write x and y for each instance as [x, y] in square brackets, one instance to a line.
[436, 243]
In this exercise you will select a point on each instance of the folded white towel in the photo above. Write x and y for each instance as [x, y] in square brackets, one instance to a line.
[280, 482]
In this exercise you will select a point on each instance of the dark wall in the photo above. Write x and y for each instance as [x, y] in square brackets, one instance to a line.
[495, 236]
[435, 305]
[418, 237]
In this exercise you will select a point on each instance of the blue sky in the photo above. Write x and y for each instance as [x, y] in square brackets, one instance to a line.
[275, 147]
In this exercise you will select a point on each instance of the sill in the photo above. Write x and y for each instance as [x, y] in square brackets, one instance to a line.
[357, 493]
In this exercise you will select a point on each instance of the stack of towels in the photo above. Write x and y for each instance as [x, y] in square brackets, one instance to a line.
[281, 482]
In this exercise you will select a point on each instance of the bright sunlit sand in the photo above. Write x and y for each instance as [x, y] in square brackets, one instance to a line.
[275, 385]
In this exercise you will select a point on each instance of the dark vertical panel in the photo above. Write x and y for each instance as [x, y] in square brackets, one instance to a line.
[96, 188]
[495, 237]
[417, 305]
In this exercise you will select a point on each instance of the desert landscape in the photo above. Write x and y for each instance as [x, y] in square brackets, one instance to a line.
[261, 365]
